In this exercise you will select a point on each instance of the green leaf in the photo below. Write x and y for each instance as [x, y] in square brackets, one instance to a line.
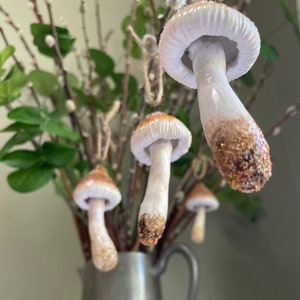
[247, 204]
[179, 167]
[248, 79]
[73, 80]
[290, 18]
[140, 23]
[29, 115]
[59, 128]
[21, 159]
[136, 51]
[58, 155]
[18, 126]
[268, 51]
[44, 83]
[104, 64]
[30, 179]
[22, 136]
[125, 23]
[11, 87]
[40, 31]
[7, 52]
[183, 116]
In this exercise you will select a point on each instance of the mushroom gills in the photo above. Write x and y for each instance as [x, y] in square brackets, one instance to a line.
[229, 47]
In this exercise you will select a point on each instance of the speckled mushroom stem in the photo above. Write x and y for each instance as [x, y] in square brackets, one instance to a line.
[237, 143]
[104, 253]
[154, 208]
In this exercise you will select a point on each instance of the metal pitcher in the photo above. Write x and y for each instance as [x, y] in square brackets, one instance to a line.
[136, 277]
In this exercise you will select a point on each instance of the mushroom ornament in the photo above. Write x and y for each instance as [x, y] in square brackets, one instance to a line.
[200, 200]
[205, 45]
[97, 193]
[157, 141]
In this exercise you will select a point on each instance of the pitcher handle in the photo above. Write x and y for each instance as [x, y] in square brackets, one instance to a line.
[192, 262]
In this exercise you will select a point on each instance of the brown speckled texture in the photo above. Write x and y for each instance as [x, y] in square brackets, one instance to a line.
[150, 229]
[242, 155]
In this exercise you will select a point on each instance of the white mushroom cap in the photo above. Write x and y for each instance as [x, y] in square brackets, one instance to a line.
[97, 185]
[238, 35]
[201, 196]
[158, 126]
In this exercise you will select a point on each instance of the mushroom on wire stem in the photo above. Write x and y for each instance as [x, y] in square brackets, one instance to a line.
[157, 141]
[97, 193]
[205, 45]
[200, 200]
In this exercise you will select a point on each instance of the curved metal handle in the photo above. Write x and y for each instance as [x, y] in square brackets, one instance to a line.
[191, 259]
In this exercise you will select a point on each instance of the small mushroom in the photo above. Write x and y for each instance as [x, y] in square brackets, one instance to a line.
[157, 141]
[200, 200]
[205, 45]
[97, 193]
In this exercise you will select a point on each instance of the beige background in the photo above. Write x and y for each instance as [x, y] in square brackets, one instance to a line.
[40, 254]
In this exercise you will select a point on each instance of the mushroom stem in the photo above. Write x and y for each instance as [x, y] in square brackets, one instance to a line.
[198, 229]
[237, 143]
[104, 253]
[217, 101]
[154, 208]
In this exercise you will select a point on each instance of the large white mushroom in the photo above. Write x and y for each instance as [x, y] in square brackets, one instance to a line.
[205, 45]
[97, 193]
[200, 200]
[157, 141]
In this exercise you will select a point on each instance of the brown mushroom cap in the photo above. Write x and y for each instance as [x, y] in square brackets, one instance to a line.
[200, 195]
[237, 34]
[158, 126]
[97, 185]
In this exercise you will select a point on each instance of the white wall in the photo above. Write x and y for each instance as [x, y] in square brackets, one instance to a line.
[40, 252]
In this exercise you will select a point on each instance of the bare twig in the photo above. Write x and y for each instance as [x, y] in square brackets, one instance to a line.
[133, 176]
[36, 11]
[79, 65]
[263, 78]
[122, 121]
[18, 29]
[93, 114]
[73, 115]
[99, 26]
[289, 113]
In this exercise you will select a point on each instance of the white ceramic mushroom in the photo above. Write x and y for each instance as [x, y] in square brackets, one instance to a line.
[97, 193]
[205, 45]
[200, 200]
[157, 141]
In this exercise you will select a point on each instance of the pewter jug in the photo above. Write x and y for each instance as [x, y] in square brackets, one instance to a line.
[136, 277]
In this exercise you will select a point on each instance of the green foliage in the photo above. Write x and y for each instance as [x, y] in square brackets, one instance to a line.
[40, 31]
[46, 122]
[24, 133]
[44, 83]
[35, 167]
[248, 79]
[249, 205]
[58, 155]
[5, 54]
[28, 180]
[290, 17]
[104, 64]
[21, 159]
[268, 51]
[143, 20]
[12, 85]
